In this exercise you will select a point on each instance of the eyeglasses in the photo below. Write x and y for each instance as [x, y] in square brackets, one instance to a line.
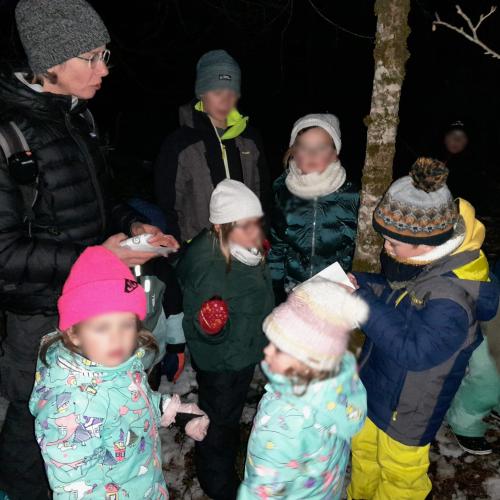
[96, 58]
[321, 150]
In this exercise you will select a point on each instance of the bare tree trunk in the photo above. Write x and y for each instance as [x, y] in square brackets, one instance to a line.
[390, 56]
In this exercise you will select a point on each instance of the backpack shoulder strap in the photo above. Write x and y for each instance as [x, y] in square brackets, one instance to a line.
[13, 143]
[12, 140]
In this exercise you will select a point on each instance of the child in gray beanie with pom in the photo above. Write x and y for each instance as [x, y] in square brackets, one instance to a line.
[423, 325]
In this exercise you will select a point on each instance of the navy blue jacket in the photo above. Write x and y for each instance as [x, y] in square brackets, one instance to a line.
[418, 345]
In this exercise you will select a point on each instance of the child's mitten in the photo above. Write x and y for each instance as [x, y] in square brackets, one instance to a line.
[170, 408]
[197, 428]
[213, 315]
[173, 365]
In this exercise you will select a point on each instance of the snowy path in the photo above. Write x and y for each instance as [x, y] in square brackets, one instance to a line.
[455, 475]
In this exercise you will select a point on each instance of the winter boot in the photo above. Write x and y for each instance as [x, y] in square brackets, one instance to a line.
[474, 445]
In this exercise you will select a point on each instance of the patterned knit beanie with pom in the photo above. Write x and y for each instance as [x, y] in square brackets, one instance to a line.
[419, 208]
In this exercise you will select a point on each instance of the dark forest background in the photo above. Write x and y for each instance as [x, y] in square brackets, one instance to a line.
[297, 57]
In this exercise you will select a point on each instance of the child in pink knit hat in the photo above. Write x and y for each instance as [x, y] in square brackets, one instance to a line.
[96, 418]
[314, 403]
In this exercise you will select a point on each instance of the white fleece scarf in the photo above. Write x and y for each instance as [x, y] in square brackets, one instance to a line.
[315, 185]
[443, 250]
[250, 257]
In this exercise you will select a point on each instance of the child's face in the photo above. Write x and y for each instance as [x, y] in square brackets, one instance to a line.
[314, 151]
[247, 233]
[401, 251]
[109, 339]
[219, 103]
[280, 362]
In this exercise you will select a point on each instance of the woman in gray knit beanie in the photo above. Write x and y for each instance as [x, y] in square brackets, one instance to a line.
[55, 201]
[65, 43]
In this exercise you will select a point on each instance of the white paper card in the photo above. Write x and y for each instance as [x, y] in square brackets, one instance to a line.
[335, 273]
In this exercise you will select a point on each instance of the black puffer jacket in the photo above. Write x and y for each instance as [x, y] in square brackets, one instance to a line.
[70, 212]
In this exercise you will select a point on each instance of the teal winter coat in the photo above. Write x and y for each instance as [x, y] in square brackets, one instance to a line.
[300, 444]
[309, 235]
[97, 428]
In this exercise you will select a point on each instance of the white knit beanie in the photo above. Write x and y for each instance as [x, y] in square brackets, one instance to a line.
[315, 322]
[329, 123]
[232, 201]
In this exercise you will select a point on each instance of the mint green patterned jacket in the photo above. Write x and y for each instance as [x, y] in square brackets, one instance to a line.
[300, 444]
[97, 428]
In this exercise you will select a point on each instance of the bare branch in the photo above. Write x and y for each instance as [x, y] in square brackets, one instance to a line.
[472, 36]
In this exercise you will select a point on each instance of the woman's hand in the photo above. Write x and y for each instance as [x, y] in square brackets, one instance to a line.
[130, 258]
[158, 240]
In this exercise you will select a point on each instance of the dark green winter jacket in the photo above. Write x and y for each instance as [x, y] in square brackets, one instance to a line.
[203, 274]
[309, 235]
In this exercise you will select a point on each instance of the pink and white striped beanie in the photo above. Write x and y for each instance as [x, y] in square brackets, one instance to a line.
[314, 324]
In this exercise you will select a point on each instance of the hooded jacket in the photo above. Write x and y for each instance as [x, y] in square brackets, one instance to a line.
[194, 159]
[97, 427]
[203, 274]
[310, 234]
[300, 443]
[72, 208]
[420, 338]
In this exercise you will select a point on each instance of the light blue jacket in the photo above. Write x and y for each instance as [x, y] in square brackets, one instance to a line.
[300, 444]
[97, 428]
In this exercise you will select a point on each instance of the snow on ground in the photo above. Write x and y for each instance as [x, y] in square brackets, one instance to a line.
[454, 474]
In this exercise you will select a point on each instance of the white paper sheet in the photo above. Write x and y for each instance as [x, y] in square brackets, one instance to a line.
[335, 273]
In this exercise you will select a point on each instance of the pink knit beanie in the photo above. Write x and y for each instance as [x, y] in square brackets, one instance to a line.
[99, 283]
[314, 324]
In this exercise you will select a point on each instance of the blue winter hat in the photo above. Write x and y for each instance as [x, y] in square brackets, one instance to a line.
[217, 70]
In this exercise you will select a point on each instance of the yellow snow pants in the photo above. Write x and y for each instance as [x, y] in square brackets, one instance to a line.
[384, 469]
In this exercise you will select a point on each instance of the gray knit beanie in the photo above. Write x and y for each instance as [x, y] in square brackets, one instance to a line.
[53, 31]
[217, 70]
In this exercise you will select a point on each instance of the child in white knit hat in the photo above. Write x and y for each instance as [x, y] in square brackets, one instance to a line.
[227, 293]
[315, 214]
[314, 402]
